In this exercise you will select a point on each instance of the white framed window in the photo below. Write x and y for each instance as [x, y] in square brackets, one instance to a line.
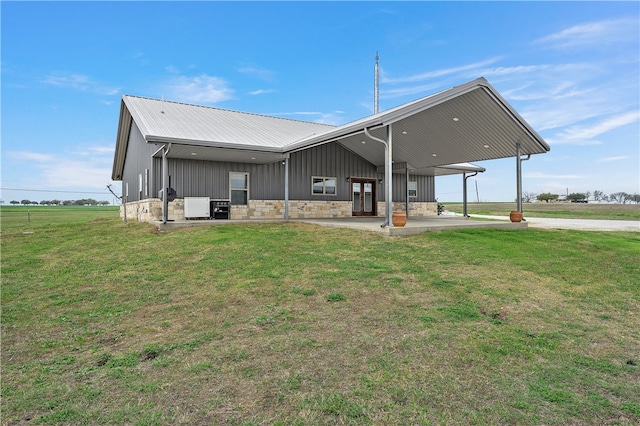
[412, 189]
[140, 186]
[239, 188]
[323, 185]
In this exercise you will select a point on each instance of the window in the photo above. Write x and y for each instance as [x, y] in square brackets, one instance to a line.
[412, 188]
[323, 185]
[239, 185]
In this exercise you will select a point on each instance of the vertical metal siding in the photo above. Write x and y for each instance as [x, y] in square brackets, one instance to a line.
[196, 178]
[138, 159]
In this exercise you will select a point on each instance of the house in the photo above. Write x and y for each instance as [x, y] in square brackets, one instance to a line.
[168, 154]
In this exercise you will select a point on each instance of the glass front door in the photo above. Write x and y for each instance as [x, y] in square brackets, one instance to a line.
[363, 197]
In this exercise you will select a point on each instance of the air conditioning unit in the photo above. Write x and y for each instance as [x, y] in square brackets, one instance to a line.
[197, 208]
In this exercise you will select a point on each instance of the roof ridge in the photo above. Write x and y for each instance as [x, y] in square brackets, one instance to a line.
[228, 110]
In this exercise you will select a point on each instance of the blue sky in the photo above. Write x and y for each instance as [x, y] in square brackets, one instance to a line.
[571, 69]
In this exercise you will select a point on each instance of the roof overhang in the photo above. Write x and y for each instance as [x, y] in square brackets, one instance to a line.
[467, 123]
[434, 136]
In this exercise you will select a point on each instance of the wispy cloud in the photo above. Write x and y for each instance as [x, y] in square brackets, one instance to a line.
[81, 167]
[537, 175]
[612, 159]
[261, 92]
[261, 73]
[79, 82]
[332, 118]
[591, 34]
[203, 89]
[583, 134]
[386, 79]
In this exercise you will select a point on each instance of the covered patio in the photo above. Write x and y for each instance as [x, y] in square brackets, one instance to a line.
[416, 226]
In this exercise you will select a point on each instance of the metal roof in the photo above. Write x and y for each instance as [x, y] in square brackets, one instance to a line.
[467, 123]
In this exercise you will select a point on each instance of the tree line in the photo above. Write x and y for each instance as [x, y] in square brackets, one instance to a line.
[83, 202]
[584, 197]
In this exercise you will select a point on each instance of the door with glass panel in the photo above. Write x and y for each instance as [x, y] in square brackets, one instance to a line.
[363, 196]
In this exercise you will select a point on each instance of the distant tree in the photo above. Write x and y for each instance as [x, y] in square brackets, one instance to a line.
[635, 198]
[14, 202]
[577, 197]
[598, 195]
[528, 197]
[45, 202]
[103, 203]
[55, 202]
[619, 197]
[547, 196]
[68, 202]
[25, 202]
[587, 195]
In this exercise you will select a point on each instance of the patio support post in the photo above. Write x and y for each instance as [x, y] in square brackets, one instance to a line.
[519, 161]
[388, 172]
[406, 191]
[286, 187]
[165, 184]
[518, 179]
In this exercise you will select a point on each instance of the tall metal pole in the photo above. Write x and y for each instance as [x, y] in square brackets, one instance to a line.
[375, 88]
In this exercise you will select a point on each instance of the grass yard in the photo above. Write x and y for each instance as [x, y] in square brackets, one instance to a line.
[285, 324]
[555, 210]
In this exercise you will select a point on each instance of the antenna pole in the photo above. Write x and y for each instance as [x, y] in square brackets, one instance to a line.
[375, 87]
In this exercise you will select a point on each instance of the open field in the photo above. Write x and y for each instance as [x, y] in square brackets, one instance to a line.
[554, 210]
[107, 323]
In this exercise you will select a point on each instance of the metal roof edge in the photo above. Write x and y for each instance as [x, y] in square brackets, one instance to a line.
[122, 141]
[208, 144]
[390, 116]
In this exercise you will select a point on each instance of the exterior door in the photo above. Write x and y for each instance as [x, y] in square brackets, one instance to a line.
[363, 195]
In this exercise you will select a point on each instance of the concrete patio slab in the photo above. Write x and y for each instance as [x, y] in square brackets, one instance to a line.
[414, 226]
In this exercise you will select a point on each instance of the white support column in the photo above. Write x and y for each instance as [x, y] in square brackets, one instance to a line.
[388, 172]
[518, 179]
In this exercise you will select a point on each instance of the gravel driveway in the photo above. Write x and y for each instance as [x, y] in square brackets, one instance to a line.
[582, 224]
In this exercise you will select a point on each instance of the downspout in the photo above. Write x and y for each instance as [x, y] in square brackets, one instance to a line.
[165, 183]
[387, 173]
[464, 193]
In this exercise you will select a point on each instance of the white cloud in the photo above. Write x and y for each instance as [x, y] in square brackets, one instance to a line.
[592, 34]
[612, 159]
[80, 82]
[585, 133]
[82, 169]
[436, 73]
[202, 89]
[261, 73]
[262, 91]
[538, 175]
[30, 156]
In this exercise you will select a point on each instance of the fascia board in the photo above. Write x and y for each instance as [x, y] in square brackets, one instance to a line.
[192, 142]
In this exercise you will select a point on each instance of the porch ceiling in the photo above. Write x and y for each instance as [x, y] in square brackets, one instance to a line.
[474, 126]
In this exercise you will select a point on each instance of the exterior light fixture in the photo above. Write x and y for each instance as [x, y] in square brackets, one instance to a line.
[485, 145]
[253, 158]
[404, 132]
[347, 179]
[364, 142]
[193, 153]
[456, 119]
[434, 155]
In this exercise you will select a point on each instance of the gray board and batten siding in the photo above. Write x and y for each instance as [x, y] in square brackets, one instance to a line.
[197, 178]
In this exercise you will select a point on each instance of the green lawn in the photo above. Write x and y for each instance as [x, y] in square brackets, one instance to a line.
[555, 210]
[107, 323]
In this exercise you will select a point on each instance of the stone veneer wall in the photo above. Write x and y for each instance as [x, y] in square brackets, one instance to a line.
[151, 209]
